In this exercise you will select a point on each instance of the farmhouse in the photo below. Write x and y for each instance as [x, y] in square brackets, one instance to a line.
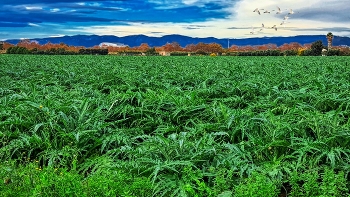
[164, 53]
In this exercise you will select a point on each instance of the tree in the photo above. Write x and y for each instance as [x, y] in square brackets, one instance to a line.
[1, 46]
[143, 47]
[151, 51]
[329, 39]
[316, 48]
[214, 48]
[172, 47]
[233, 48]
[190, 48]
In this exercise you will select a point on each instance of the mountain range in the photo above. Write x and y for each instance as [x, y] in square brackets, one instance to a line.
[137, 40]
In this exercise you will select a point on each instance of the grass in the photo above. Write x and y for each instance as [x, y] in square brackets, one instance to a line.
[174, 126]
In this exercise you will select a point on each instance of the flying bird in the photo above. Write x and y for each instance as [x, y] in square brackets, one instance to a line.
[291, 11]
[253, 31]
[282, 24]
[274, 27]
[286, 17]
[257, 10]
[279, 10]
[266, 12]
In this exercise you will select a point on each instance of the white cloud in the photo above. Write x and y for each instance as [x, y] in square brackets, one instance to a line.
[311, 17]
[55, 10]
[33, 8]
[33, 25]
[189, 2]
[56, 36]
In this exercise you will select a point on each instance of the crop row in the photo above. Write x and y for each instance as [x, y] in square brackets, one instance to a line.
[179, 121]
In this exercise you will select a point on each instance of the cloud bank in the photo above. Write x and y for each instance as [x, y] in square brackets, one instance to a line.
[197, 18]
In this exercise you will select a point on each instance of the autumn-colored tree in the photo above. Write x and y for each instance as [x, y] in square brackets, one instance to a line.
[190, 48]
[7, 45]
[233, 48]
[284, 47]
[29, 44]
[143, 47]
[261, 47]
[246, 48]
[290, 46]
[214, 48]
[172, 47]
[201, 47]
[271, 46]
[307, 46]
[295, 45]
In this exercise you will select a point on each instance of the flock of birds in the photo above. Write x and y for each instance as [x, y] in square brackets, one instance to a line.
[278, 11]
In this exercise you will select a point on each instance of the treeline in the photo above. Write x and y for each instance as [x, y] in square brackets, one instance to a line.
[331, 52]
[55, 51]
[174, 49]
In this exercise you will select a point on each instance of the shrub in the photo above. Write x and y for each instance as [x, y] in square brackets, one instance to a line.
[17, 50]
[291, 52]
[152, 51]
[179, 54]
[333, 52]
[314, 183]
[256, 185]
[200, 52]
[93, 51]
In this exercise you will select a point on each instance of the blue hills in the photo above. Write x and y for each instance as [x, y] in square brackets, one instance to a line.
[137, 40]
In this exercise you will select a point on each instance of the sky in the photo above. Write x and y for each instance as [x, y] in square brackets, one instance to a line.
[195, 18]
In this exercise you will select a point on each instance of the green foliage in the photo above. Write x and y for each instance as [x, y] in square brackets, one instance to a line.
[333, 52]
[17, 50]
[255, 186]
[151, 51]
[175, 126]
[313, 183]
[33, 180]
[93, 51]
[35, 51]
[179, 54]
[130, 53]
[329, 34]
[117, 183]
[201, 52]
[316, 48]
[260, 53]
[290, 52]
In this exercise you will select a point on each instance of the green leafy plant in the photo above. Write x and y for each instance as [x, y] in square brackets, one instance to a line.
[256, 185]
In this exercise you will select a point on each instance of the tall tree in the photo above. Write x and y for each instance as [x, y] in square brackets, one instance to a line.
[329, 39]
[316, 48]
